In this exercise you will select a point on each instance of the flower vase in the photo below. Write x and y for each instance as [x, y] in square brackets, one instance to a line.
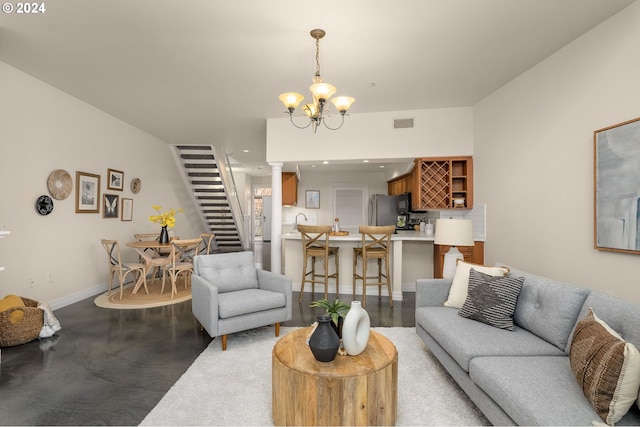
[164, 235]
[356, 329]
[324, 342]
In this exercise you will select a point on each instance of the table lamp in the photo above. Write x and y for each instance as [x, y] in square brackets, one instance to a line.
[453, 232]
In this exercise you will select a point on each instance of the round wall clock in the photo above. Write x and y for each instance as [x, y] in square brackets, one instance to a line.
[44, 205]
[136, 185]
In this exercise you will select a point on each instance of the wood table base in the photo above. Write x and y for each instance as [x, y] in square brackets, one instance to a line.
[351, 390]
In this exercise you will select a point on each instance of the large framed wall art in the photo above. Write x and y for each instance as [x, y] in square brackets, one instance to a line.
[617, 187]
[87, 192]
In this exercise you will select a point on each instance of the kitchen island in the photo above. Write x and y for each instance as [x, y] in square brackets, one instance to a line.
[411, 259]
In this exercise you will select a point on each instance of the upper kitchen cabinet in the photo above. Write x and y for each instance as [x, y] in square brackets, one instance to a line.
[437, 183]
[289, 188]
[442, 183]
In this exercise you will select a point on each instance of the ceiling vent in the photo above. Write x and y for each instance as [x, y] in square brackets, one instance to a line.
[402, 123]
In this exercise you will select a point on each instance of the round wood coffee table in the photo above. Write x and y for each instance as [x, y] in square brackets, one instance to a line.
[350, 390]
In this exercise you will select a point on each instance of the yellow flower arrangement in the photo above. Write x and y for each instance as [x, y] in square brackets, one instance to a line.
[166, 219]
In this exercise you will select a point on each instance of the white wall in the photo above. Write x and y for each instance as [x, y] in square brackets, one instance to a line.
[533, 155]
[44, 129]
[436, 132]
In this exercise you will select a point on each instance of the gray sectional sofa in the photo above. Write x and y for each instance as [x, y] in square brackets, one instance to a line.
[522, 377]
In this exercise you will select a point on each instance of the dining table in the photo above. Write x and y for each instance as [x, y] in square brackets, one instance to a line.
[141, 247]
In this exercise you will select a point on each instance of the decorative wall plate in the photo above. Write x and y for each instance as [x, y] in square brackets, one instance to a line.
[136, 185]
[60, 184]
[44, 205]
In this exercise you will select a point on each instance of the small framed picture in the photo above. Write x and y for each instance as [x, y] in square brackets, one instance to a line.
[110, 206]
[312, 199]
[87, 192]
[115, 180]
[126, 213]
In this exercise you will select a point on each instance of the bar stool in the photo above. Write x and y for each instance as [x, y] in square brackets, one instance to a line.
[376, 242]
[315, 244]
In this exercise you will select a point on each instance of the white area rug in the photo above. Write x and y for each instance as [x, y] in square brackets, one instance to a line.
[234, 387]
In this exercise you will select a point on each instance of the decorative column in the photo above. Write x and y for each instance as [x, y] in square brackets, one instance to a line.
[276, 217]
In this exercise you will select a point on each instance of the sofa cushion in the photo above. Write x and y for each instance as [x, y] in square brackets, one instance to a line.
[465, 339]
[231, 304]
[537, 390]
[459, 286]
[229, 272]
[548, 308]
[606, 367]
[491, 299]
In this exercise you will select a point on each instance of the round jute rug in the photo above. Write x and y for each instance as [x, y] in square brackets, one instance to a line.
[143, 300]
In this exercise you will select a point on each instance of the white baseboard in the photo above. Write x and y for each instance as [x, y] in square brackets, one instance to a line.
[78, 296]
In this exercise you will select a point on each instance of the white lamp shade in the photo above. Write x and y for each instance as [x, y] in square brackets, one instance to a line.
[454, 232]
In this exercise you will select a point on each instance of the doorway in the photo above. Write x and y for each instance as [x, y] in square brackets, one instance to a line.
[261, 249]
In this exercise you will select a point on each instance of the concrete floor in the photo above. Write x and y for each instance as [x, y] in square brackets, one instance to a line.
[111, 367]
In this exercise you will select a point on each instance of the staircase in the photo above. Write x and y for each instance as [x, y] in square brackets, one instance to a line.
[213, 191]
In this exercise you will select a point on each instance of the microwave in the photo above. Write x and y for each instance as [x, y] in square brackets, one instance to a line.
[403, 203]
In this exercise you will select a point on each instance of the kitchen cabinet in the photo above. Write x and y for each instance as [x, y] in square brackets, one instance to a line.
[473, 254]
[401, 184]
[442, 183]
[289, 188]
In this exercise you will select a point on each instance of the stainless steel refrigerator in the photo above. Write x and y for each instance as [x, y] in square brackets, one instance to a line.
[383, 210]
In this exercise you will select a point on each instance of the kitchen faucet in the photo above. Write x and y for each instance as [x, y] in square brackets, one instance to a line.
[295, 227]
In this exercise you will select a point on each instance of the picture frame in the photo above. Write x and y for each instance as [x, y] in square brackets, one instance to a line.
[111, 206]
[616, 193]
[87, 192]
[115, 180]
[126, 214]
[312, 199]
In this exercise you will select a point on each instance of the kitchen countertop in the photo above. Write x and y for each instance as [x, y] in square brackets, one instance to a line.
[399, 235]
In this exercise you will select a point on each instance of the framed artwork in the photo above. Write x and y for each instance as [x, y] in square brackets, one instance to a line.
[617, 187]
[115, 180]
[111, 208]
[312, 199]
[127, 210]
[87, 192]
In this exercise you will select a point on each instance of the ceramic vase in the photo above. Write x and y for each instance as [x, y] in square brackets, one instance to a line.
[324, 342]
[164, 235]
[356, 329]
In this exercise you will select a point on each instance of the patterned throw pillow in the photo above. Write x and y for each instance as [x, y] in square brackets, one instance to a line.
[460, 283]
[492, 299]
[607, 368]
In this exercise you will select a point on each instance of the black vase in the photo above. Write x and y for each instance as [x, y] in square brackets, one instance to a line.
[324, 341]
[338, 327]
[164, 235]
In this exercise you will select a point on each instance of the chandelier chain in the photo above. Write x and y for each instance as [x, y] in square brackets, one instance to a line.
[317, 57]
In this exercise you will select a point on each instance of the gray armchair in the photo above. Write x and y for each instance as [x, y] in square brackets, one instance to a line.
[229, 294]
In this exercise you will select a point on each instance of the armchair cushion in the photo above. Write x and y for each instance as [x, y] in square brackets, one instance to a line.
[233, 271]
[231, 304]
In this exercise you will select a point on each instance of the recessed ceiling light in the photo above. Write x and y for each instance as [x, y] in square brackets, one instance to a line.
[365, 161]
[245, 151]
[313, 166]
[325, 162]
[381, 166]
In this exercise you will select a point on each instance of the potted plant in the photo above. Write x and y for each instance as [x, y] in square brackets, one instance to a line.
[337, 310]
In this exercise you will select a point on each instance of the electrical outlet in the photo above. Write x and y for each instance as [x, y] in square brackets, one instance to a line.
[50, 277]
[32, 283]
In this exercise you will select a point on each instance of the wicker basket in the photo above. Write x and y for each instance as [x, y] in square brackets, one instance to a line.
[27, 330]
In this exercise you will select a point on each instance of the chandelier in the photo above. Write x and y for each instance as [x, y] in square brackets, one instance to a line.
[321, 92]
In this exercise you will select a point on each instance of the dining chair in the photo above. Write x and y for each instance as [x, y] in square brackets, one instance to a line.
[376, 243]
[181, 262]
[119, 268]
[143, 237]
[315, 244]
[208, 244]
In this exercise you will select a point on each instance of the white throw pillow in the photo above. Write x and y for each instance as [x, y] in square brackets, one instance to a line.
[458, 290]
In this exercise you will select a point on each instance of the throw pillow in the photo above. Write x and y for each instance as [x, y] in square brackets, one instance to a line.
[606, 367]
[492, 299]
[11, 301]
[459, 286]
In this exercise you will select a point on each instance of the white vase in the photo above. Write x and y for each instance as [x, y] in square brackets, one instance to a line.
[355, 330]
